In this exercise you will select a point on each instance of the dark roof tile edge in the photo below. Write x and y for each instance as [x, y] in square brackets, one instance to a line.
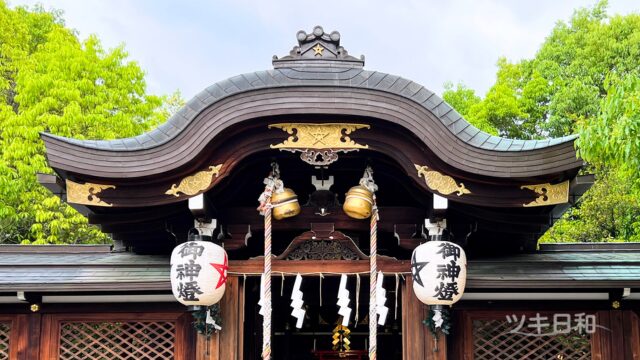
[54, 249]
[193, 107]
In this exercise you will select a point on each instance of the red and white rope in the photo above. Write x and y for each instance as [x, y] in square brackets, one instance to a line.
[272, 183]
[373, 265]
[266, 322]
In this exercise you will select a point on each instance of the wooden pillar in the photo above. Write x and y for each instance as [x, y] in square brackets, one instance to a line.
[617, 335]
[417, 340]
[620, 338]
[24, 336]
[228, 343]
[431, 351]
[208, 350]
[631, 331]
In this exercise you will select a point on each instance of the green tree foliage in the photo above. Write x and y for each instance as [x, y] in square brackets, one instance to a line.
[613, 138]
[548, 94]
[464, 99]
[53, 82]
[583, 79]
[609, 211]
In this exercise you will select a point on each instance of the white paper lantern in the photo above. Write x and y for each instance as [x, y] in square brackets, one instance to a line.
[199, 273]
[439, 270]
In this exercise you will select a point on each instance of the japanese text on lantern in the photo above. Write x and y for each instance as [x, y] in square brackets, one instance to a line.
[448, 273]
[187, 273]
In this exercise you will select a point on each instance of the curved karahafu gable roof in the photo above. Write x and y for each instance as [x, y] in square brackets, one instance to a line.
[326, 103]
[318, 77]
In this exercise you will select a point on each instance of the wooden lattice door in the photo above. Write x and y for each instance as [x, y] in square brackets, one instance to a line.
[518, 335]
[492, 339]
[5, 338]
[133, 336]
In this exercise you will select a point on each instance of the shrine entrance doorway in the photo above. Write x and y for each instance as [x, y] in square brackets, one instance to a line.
[314, 341]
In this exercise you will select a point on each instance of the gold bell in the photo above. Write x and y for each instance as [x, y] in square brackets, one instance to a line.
[358, 203]
[285, 204]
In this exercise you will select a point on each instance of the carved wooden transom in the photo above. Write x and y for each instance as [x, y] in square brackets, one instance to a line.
[322, 243]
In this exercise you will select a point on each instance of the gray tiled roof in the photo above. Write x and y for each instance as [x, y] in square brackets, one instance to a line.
[101, 270]
[355, 78]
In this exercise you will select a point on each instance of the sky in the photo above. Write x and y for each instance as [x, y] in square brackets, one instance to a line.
[191, 44]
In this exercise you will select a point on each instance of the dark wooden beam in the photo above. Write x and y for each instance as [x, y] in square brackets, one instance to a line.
[57, 186]
[256, 266]
[236, 236]
[116, 216]
[389, 217]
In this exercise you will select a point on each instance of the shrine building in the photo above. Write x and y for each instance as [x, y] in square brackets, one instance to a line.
[318, 126]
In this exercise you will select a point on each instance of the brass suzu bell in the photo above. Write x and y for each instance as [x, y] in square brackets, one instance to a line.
[358, 203]
[285, 204]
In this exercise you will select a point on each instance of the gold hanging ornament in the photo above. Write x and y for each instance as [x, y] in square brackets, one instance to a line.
[360, 199]
[284, 201]
[285, 204]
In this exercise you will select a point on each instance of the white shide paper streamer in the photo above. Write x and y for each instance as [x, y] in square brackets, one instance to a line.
[343, 301]
[296, 302]
[261, 301]
[381, 299]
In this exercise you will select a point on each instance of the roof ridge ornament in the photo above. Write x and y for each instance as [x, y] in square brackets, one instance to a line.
[318, 46]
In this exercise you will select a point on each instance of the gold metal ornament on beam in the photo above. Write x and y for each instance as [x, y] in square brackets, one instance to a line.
[444, 184]
[319, 143]
[548, 194]
[196, 183]
[319, 136]
[87, 193]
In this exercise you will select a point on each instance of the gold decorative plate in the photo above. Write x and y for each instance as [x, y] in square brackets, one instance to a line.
[87, 193]
[196, 183]
[319, 136]
[548, 194]
[444, 184]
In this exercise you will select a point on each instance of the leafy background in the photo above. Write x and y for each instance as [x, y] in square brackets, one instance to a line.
[584, 79]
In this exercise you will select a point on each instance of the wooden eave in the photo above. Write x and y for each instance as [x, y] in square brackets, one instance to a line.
[65, 268]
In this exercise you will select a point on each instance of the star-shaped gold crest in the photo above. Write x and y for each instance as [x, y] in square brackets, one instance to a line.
[318, 50]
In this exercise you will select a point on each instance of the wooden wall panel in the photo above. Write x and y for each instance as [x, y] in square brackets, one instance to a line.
[433, 349]
[184, 348]
[617, 335]
[230, 348]
[621, 337]
[631, 330]
[417, 341]
[412, 342]
[208, 349]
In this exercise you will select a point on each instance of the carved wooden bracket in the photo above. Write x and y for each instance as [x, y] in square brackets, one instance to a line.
[236, 236]
[407, 235]
[322, 243]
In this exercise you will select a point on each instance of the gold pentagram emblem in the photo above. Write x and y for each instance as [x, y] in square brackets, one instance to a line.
[319, 137]
[318, 49]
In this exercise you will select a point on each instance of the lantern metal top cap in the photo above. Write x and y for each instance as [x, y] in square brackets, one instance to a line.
[318, 48]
